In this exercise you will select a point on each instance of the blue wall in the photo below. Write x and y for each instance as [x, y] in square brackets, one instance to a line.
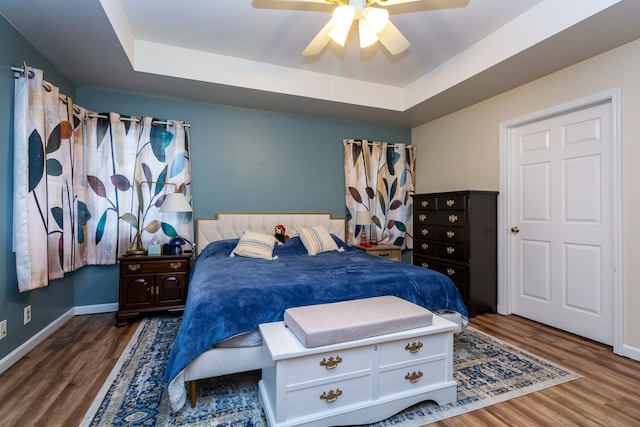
[49, 303]
[246, 160]
[242, 160]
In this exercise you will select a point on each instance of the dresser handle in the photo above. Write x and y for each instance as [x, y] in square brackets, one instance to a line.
[413, 377]
[134, 267]
[425, 231]
[451, 202]
[175, 265]
[453, 218]
[422, 217]
[451, 271]
[450, 250]
[425, 203]
[332, 396]
[425, 246]
[451, 234]
[413, 347]
[425, 264]
[331, 363]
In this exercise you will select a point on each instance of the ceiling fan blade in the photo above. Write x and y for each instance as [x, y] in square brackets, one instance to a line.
[392, 39]
[320, 40]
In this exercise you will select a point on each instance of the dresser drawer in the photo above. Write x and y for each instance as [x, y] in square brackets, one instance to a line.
[328, 365]
[452, 251]
[327, 397]
[426, 247]
[425, 203]
[425, 231]
[451, 201]
[412, 350]
[410, 378]
[451, 217]
[457, 273]
[131, 266]
[452, 234]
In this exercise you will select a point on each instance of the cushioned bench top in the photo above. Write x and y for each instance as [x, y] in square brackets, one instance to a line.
[324, 324]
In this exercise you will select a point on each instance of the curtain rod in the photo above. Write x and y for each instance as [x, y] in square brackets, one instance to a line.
[359, 142]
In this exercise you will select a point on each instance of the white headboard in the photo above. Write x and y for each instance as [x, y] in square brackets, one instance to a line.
[232, 225]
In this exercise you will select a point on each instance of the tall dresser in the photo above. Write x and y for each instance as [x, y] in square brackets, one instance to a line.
[455, 233]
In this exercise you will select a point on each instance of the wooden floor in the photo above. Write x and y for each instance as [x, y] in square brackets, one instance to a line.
[55, 384]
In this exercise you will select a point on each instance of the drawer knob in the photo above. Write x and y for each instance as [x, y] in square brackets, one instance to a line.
[413, 347]
[450, 250]
[451, 202]
[332, 396]
[425, 203]
[175, 265]
[134, 267]
[331, 363]
[451, 271]
[422, 217]
[413, 377]
[453, 218]
[425, 246]
[425, 264]
[451, 234]
[425, 231]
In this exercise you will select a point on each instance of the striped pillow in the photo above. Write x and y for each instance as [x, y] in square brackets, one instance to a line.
[255, 245]
[316, 239]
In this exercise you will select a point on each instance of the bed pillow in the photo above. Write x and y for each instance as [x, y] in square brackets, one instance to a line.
[255, 245]
[316, 239]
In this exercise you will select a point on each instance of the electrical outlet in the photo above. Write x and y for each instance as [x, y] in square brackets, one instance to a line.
[3, 329]
[27, 314]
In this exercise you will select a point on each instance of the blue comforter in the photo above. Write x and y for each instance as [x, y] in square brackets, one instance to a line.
[229, 296]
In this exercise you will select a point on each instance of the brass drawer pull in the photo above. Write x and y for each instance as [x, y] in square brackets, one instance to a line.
[332, 396]
[134, 267]
[422, 217]
[331, 363]
[425, 203]
[451, 271]
[451, 234]
[450, 250]
[453, 218]
[413, 377]
[425, 264]
[425, 246]
[413, 347]
[451, 202]
[175, 265]
[425, 231]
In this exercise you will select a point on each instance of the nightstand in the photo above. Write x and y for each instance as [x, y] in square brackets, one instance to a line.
[152, 283]
[383, 251]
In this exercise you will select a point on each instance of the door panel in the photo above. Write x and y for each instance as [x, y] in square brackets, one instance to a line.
[561, 202]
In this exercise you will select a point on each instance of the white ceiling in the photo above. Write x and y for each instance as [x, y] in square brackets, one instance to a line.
[248, 53]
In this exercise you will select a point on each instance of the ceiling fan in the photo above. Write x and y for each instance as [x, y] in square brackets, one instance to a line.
[373, 25]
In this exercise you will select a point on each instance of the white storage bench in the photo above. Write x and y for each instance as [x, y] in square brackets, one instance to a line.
[358, 381]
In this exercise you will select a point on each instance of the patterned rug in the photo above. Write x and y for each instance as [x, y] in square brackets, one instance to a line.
[487, 370]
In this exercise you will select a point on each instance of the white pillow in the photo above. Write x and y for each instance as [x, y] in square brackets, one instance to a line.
[255, 245]
[316, 239]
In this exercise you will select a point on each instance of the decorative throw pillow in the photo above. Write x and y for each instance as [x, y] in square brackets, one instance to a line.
[255, 245]
[316, 239]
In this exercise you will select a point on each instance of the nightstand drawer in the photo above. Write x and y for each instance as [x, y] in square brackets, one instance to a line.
[391, 252]
[134, 267]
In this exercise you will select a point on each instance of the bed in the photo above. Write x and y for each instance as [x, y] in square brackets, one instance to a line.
[229, 296]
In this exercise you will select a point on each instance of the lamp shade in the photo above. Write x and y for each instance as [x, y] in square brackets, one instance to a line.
[363, 218]
[175, 202]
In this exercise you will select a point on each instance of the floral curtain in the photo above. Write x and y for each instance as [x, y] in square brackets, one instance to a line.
[380, 178]
[75, 175]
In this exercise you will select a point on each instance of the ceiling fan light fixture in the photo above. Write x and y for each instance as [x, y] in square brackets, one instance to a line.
[342, 19]
[367, 35]
[377, 19]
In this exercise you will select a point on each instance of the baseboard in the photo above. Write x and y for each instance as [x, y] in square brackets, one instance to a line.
[631, 352]
[38, 338]
[95, 309]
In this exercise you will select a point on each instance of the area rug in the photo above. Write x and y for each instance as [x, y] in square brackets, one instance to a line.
[487, 371]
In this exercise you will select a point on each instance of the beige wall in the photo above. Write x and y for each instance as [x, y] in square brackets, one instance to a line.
[461, 150]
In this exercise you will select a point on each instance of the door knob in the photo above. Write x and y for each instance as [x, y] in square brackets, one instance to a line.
[515, 230]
